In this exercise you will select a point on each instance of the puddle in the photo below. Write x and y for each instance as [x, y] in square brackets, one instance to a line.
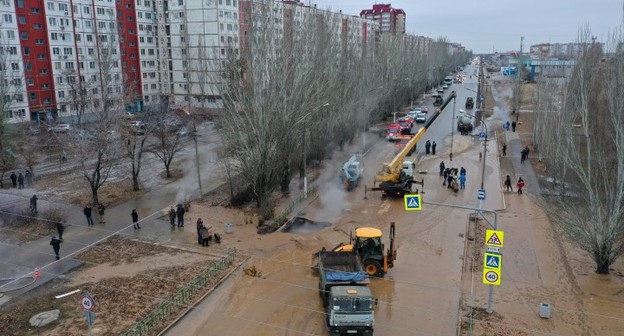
[304, 225]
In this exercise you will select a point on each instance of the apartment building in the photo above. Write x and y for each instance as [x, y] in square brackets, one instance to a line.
[391, 20]
[13, 84]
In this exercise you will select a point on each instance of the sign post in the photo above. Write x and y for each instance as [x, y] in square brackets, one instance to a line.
[87, 303]
[412, 202]
[492, 262]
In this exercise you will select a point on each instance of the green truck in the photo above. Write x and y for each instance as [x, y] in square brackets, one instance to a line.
[343, 286]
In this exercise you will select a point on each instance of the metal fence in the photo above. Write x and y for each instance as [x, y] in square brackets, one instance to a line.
[161, 313]
[280, 219]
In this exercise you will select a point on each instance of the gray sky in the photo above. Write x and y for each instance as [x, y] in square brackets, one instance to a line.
[487, 25]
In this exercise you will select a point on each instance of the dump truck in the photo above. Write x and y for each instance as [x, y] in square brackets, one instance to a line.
[343, 287]
[351, 173]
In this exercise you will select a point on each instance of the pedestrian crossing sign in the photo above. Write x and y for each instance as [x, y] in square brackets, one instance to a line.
[493, 261]
[412, 202]
[494, 238]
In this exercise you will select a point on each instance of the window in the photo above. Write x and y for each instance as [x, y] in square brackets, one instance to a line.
[43, 71]
[45, 86]
[61, 94]
[50, 5]
[24, 35]
[54, 36]
[31, 81]
[69, 65]
[32, 96]
[59, 80]
[180, 2]
[20, 3]
[38, 26]
[41, 56]
[39, 41]
[11, 34]
[89, 38]
[57, 65]
[56, 51]
[228, 2]
[8, 18]
[100, 11]
[86, 10]
[19, 97]
[35, 10]
[13, 50]
[63, 7]
[51, 21]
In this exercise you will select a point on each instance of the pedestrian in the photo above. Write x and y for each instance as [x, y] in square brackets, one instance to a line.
[29, 178]
[20, 181]
[60, 228]
[172, 216]
[14, 179]
[520, 185]
[427, 147]
[200, 225]
[523, 155]
[180, 213]
[442, 168]
[449, 181]
[504, 149]
[33, 204]
[462, 171]
[445, 174]
[56, 246]
[135, 219]
[508, 184]
[101, 209]
[205, 236]
[87, 212]
[526, 152]
[513, 125]
[462, 181]
[433, 147]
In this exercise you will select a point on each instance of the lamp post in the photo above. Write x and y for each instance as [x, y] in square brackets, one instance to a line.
[305, 156]
[483, 125]
[362, 97]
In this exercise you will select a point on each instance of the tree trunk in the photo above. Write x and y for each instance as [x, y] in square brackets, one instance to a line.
[167, 170]
[94, 196]
[602, 266]
[285, 185]
[135, 182]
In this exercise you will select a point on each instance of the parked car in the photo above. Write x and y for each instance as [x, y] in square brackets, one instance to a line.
[129, 115]
[440, 90]
[424, 109]
[393, 131]
[421, 117]
[138, 127]
[60, 128]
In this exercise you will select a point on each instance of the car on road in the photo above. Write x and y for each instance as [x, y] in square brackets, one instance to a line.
[392, 132]
[421, 117]
[445, 86]
[424, 109]
[60, 128]
[440, 90]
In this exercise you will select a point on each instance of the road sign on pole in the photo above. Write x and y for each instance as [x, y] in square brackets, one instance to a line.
[481, 194]
[87, 303]
[494, 238]
[491, 277]
[492, 261]
[412, 202]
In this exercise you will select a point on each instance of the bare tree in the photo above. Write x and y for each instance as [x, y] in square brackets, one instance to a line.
[584, 142]
[169, 143]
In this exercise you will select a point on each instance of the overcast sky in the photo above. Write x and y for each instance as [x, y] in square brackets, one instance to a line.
[486, 25]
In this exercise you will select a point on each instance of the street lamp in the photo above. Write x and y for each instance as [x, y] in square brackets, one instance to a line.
[484, 152]
[365, 114]
[305, 156]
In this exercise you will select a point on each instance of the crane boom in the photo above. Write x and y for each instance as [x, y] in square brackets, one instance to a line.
[392, 170]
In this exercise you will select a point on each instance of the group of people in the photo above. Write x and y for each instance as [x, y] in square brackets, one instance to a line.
[203, 234]
[88, 212]
[451, 177]
[179, 213]
[507, 125]
[430, 147]
[519, 185]
[18, 180]
[524, 154]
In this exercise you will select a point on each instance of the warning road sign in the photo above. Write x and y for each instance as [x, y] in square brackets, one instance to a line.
[412, 202]
[491, 277]
[493, 261]
[494, 238]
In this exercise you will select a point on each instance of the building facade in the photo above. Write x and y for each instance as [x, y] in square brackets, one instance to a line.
[391, 20]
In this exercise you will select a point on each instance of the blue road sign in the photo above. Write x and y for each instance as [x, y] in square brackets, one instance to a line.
[482, 135]
[412, 202]
[481, 194]
[492, 260]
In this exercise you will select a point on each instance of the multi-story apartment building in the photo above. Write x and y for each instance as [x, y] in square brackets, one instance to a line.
[391, 20]
[13, 84]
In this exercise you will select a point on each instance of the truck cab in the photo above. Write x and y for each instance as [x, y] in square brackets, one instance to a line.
[350, 311]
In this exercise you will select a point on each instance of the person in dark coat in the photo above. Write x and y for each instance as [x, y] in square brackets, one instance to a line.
[504, 149]
[87, 212]
[172, 216]
[205, 236]
[446, 173]
[20, 181]
[60, 228]
[427, 147]
[513, 126]
[135, 219]
[449, 181]
[33, 203]
[14, 179]
[56, 246]
[200, 225]
[433, 147]
[29, 178]
[508, 186]
[180, 213]
[442, 167]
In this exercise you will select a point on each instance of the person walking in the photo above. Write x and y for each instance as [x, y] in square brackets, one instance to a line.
[449, 181]
[20, 181]
[14, 179]
[87, 212]
[442, 168]
[445, 174]
[462, 171]
[200, 225]
[205, 236]
[33, 204]
[100, 210]
[180, 213]
[56, 246]
[135, 219]
[433, 147]
[172, 216]
[504, 149]
[427, 147]
[520, 185]
[513, 125]
[60, 228]
[508, 184]
[462, 181]
[29, 178]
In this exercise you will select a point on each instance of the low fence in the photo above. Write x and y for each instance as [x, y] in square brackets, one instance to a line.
[280, 219]
[164, 311]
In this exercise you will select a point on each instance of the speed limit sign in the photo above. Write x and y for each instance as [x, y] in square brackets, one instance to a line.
[87, 302]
